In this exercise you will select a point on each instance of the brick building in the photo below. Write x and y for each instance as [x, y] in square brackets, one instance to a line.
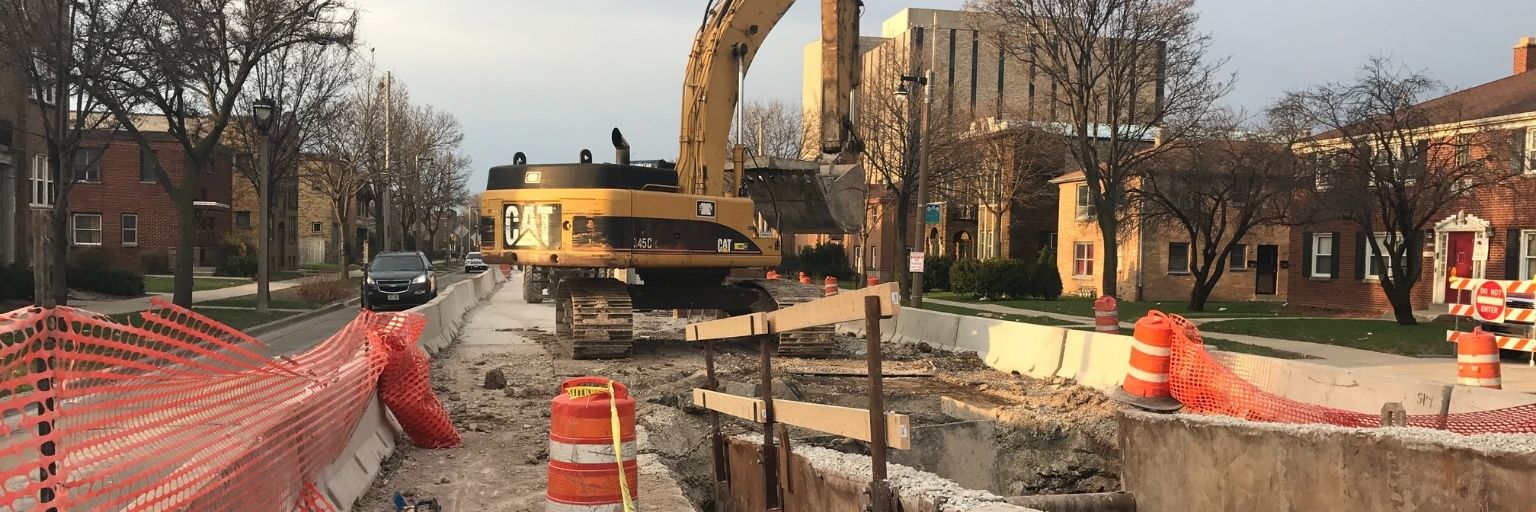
[1489, 233]
[283, 248]
[24, 170]
[119, 208]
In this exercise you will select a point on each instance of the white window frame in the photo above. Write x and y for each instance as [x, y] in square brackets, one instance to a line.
[1077, 257]
[124, 229]
[1371, 273]
[1527, 254]
[1333, 250]
[40, 187]
[50, 94]
[91, 160]
[74, 228]
[1530, 150]
[1083, 200]
[1241, 252]
[1187, 257]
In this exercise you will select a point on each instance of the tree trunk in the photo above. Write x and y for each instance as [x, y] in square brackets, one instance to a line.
[903, 230]
[997, 234]
[343, 238]
[58, 256]
[1401, 298]
[1200, 293]
[1109, 229]
[186, 234]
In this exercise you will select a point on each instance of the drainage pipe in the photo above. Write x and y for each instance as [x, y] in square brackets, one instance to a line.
[1091, 502]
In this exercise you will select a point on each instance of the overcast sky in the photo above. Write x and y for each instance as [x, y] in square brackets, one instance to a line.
[550, 77]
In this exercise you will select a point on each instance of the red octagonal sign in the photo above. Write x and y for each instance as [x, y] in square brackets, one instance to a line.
[1488, 302]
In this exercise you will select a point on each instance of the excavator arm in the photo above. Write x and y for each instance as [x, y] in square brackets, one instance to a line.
[729, 39]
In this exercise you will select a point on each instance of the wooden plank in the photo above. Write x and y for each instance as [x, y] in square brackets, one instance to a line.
[842, 421]
[750, 409]
[846, 306]
[733, 327]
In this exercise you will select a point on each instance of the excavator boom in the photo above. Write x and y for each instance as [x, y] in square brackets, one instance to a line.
[729, 39]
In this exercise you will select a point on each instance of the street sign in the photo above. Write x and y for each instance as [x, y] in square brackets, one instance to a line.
[1489, 302]
[931, 213]
[915, 262]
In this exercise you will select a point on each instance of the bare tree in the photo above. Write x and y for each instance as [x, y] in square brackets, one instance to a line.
[1122, 72]
[1227, 183]
[1388, 164]
[445, 185]
[428, 135]
[1012, 168]
[185, 63]
[349, 158]
[771, 128]
[59, 52]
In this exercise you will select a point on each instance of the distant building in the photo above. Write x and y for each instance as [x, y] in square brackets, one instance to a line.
[283, 248]
[25, 182]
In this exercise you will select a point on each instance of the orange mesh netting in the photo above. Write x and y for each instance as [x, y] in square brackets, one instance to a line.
[177, 411]
[1204, 385]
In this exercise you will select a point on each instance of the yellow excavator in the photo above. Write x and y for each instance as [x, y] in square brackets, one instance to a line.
[681, 230]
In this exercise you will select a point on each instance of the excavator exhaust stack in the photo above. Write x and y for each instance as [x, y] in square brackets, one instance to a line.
[620, 148]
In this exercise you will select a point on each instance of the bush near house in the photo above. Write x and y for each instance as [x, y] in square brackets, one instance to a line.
[238, 261]
[1045, 282]
[963, 275]
[325, 290]
[996, 279]
[818, 261]
[16, 282]
[936, 276]
[90, 270]
[156, 263]
[1001, 278]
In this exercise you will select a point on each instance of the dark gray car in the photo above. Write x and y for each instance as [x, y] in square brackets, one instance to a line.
[397, 280]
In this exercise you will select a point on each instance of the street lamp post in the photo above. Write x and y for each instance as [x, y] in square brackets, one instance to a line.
[262, 113]
[422, 161]
[919, 227]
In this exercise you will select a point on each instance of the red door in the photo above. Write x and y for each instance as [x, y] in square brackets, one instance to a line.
[1458, 262]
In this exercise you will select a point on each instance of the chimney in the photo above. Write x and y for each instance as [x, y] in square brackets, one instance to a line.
[1525, 55]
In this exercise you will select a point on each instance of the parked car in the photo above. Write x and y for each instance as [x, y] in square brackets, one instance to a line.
[398, 279]
[473, 263]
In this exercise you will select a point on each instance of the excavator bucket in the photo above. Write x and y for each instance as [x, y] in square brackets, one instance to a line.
[806, 197]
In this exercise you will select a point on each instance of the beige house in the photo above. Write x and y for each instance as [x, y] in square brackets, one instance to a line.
[1154, 261]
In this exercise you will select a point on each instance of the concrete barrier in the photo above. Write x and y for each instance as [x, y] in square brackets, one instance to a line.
[1093, 359]
[1033, 350]
[1362, 390]
[932, 327]
[373, 440]
[1209, 463]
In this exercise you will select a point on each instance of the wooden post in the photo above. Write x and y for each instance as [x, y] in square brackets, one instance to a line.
[879, 490]
[769, 456]
[716, 440]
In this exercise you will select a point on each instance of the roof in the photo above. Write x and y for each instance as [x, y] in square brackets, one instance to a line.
[1514, 94]
[1070, 177]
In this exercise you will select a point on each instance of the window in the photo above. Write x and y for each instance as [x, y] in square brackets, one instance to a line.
[1463, 150]
[1239, 258]
[45, 82]
[130, 229]
[1050, 241]
[1322, 255]
[243, 220]
[1372, 270]
[1530, 150]
[42, 189]
[314, 227]
[147, 165]
[1084, 203]
[858, 257]
[1527, 255]
[86, 165]
[1082, 259]
[87, 228]
[874, 257]
[1178, 258]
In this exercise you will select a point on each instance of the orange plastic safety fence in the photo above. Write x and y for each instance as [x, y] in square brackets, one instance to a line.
[1205, 385]
[175, 411]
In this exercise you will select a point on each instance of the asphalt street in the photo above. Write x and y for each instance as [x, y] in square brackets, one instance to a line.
[304, 334]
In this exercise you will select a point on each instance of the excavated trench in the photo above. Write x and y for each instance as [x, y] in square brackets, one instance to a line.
[983, 429]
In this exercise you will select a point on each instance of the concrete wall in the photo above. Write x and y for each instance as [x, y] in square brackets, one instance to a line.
[373, 438]
[1195, 464]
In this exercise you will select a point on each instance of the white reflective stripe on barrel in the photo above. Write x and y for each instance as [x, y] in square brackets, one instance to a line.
[1473, 381]
[1145, 376]
[552, 506]
[1477, 358]
[1150, 349]
[588, 453]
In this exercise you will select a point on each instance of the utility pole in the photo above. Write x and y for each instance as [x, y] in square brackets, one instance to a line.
[389, 108]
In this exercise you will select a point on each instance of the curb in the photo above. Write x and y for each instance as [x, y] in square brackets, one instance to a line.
[283, 322]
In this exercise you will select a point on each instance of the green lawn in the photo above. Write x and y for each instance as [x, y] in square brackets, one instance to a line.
[166, 284]
[1258, 350]
[1037, 320]
[322, 267]
[1129, 310]
[1426, 338]
[237, 318]
[249, 301]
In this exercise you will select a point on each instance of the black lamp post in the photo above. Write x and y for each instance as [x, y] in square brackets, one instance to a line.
[262, 113]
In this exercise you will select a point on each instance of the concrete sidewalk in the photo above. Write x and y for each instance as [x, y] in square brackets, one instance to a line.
[1517, 377]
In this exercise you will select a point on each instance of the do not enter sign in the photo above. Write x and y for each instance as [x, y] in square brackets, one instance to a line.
[1488, 302]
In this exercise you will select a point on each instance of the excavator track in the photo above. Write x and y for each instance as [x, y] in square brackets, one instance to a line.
[593, 318]
[780, 293]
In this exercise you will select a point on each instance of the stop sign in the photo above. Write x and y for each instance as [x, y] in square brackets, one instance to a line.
[1488, 302]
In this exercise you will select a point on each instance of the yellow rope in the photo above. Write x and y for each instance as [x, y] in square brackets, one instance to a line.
[618, 448]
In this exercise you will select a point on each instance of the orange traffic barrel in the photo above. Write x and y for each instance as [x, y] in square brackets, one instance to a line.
[773, 275]
[829, 286]
[805, 278]
[1106, 315]
[587, 447]
[1477, 360]
[1146, 380]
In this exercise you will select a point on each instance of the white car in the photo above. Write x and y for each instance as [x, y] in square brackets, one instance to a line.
[473, 263]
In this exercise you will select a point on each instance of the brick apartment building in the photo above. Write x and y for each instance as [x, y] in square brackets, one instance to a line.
[119, 208]
[23, 161]
[283, 248]
[1333, 269]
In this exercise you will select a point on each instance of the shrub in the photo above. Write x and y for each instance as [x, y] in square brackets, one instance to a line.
[963, 275]
[237, 265]
[818, 261]
[156, 263]
[936, 275]
[324, 290]
[1046, 281]
[16, 282]
[789, 266]
[90, 270]
[1000, 278]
